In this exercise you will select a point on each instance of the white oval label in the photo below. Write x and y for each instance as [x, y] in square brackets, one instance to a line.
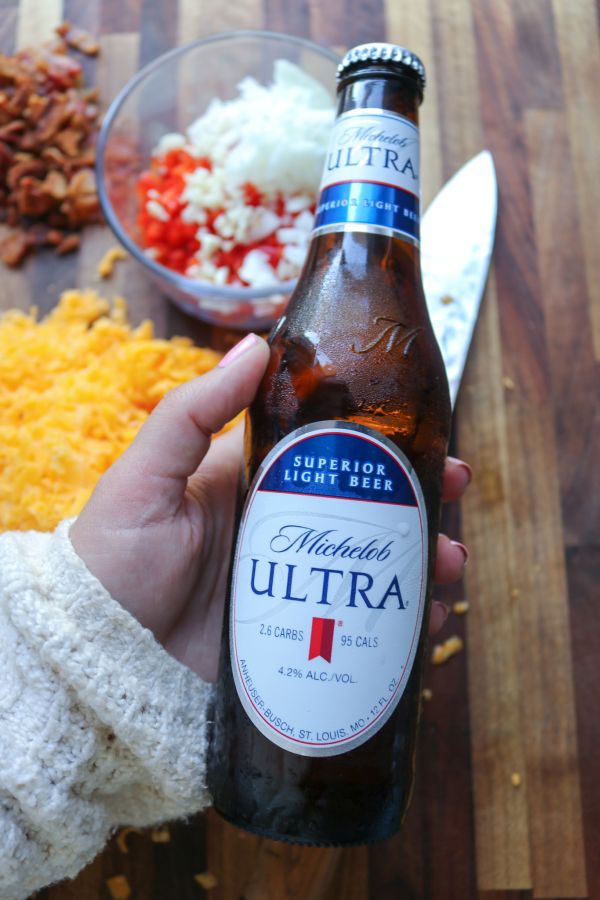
[371, 175]
[328, 588]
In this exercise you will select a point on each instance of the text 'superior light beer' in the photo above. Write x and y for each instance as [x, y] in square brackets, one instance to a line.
[318, 699]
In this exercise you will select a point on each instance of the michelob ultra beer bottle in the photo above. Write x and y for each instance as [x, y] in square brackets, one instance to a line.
[318, 699]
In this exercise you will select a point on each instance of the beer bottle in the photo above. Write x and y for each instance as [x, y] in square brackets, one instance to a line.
[318, 700]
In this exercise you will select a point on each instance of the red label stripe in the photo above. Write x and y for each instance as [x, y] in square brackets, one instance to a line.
[321, 638]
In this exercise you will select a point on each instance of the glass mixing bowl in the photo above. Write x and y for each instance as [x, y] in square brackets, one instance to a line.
[166, 96]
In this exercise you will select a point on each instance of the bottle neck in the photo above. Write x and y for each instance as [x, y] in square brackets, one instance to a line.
[370, 89]
[371, 175]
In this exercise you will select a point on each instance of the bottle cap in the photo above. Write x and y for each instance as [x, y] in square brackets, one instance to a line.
[392, 55]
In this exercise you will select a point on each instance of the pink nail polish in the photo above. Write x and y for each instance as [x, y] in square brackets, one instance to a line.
[463, 550]
[239, 349]
[443, 608]
[464, 466]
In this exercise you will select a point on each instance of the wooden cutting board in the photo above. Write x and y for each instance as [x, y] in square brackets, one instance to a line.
[519, 77]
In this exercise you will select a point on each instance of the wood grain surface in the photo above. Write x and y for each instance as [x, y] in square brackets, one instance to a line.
[521, 78]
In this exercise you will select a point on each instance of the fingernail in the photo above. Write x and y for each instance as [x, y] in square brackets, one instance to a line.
[462, 549]
[443, 609]
[466, 468]
[239, 349]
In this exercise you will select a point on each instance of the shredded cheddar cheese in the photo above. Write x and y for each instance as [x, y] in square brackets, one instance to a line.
[445, 651]
[460, 607]
[123, 835]
[118, 887]
[75, 388]
[107, 263]
[160, 835]
[206, 880]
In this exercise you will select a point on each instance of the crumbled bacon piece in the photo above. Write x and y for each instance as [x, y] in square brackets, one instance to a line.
[68, 244]
[25, 166]
[55, 185]
[78, 39]
[54, 236]
[15, 248]
[48, 125]
[11, 133]
[68, 140]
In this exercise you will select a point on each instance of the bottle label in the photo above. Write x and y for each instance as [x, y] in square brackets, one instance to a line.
[328, 588]
[371, 176]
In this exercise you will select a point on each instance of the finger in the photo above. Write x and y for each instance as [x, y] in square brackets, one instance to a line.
[457, 477]
[437, 616]
[174, 440]
[221, 465]
[450, 561]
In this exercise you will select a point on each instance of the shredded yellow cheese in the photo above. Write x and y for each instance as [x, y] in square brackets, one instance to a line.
[445, 651]
[118, 887]
[107, 263]
[75, 388]
[123, 835]
[160, 835]
[206, 880]
[460, 607]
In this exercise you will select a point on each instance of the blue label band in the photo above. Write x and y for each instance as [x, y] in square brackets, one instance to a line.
[341, 465]
[367, 203]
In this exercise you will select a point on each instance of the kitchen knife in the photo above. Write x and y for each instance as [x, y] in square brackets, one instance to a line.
[457, 237]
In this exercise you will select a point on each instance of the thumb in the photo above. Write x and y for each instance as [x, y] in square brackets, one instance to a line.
[174, 440]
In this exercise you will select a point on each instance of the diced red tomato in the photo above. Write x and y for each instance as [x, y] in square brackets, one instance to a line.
[252, 195]
[174, 240]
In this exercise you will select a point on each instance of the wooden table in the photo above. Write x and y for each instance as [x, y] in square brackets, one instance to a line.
[517, 76]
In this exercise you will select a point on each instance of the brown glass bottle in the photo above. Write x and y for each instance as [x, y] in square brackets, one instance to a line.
[355, 346]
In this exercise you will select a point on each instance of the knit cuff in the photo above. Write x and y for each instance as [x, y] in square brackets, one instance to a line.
[156, 706]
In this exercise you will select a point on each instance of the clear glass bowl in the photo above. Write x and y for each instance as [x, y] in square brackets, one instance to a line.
[168, 95]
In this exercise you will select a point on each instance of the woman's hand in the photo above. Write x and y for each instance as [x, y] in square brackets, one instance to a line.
[157, 530]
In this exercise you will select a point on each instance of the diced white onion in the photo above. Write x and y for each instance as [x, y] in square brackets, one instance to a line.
[291, 236]
[171, 141]
[257, 270]
[294, 254]
[157, 211]
[272, 136]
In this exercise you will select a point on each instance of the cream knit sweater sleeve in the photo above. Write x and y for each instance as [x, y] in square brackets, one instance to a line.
[99, 726]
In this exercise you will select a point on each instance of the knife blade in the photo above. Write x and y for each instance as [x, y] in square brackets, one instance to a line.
[457, 239]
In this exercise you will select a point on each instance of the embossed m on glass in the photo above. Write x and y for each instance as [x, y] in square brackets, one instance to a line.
[391, 333]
